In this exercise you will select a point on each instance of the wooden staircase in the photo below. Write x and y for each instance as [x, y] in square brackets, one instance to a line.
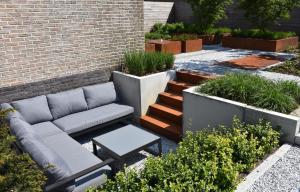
[165, 116]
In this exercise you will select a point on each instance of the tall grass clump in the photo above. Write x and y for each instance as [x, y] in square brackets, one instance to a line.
[141, 63]
[255, 90]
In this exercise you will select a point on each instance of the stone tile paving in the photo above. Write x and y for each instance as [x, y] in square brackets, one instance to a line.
[283, 176]
[136, 161]
[207, 61]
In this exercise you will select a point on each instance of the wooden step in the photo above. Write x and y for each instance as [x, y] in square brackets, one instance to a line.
[193, 77]
[171, 99]
[178, 86]
[166, 112]
[161, 127]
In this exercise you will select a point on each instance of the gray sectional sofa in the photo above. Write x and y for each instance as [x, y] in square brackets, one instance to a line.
[46, 125]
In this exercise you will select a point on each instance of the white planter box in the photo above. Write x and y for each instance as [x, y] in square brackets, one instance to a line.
[203, 111]
[141, 92]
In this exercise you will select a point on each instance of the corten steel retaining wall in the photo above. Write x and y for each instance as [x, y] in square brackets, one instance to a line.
[183, 12]
[49, 46]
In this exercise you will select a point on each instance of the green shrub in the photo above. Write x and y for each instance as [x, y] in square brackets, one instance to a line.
[264, 13]
[208, 12]
[184, 37]
[17, 171]
[156, 35]
[206, 161]
[168, 28]
[259, 34]
[253, 90]
[141, 63]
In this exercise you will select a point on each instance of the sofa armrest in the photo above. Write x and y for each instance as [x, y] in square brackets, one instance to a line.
[54, 186]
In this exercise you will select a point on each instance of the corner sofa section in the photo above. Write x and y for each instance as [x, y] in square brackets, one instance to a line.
[44, 125]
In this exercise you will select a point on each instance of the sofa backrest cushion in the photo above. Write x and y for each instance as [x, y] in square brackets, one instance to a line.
[21, 129]
[34, 110]
[66, 103]
[13, 113]
[55, 167]
[101, 94]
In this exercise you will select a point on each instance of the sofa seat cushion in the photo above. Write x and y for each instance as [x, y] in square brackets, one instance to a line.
[77, 157]
[66, 103]
[34, 110]
[87, 119]
[46, 129]
[101, 94]
[47, 158]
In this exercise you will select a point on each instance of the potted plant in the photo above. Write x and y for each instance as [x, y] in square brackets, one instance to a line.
[143, 77]
[189, 42]
[263, 15]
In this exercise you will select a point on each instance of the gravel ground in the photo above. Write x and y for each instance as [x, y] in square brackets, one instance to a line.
[283, 176]
[207, 59]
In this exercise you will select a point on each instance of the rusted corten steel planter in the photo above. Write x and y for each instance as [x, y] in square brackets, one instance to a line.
[191, 45]
[260, 44]
[149, 47]
[167, 46]
[212, 39]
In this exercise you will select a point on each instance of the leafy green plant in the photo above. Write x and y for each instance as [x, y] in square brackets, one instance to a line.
[141, 63]
[156, 35]
[17, 171]
[260, 34]
[184, 37]
[206, 161]
[208, 12]
[253, 90]
[168, 28]
[264, 13]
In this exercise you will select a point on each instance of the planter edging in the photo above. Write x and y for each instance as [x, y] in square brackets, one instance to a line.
[201, 111]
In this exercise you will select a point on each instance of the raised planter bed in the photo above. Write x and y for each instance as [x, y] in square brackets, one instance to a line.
[201, 110]
[149, 47]
[141, 92]
[212, 39]
[191, 45]
[260, 44]
[167, 46]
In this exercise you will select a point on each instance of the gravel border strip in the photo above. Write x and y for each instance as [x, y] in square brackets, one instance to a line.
[262, 168]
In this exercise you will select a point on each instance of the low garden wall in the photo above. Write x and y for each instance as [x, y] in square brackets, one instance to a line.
[141, 92]
[204, 111]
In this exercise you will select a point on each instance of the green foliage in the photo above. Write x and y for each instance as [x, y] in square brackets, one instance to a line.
[141, 63]
[208, 12]
[17, 171]
[203, 161]
[291, 67]
[184, 37]
[156, 35]
[254, 90]
[262, 34]
[168, 28]
[264, 13]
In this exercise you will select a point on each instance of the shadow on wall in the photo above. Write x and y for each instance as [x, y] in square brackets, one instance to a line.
[13, 93]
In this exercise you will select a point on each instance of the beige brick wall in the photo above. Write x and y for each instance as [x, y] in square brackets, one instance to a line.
[53, 45]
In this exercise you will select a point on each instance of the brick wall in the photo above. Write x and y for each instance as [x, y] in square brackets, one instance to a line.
[54, 45]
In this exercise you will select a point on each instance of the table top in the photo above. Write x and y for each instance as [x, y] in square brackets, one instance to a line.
[159, 41]
[125, 140]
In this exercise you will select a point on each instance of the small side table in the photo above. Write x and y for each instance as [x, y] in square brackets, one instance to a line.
[124, 142]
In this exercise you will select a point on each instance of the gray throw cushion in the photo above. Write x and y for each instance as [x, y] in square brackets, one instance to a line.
[102, 94]
[21, 129]
[66, 103]
[54, 166]
[97, 116]
[34, 110]
[12, 114]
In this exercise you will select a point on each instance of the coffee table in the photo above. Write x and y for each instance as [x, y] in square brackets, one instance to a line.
[124, 142]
